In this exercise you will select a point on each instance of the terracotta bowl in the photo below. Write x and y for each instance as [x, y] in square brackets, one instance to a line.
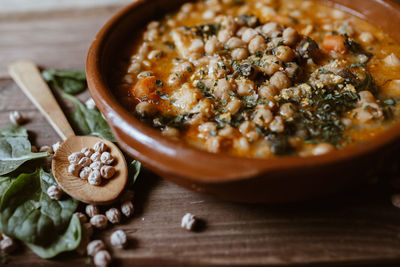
[232, 178]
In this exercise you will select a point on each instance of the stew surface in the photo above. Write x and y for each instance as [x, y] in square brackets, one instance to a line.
[262, 78]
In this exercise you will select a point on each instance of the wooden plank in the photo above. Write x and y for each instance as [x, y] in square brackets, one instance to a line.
[9, 8]
[359, 228]
[57, 40]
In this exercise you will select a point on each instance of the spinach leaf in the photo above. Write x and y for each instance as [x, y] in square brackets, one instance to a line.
[134, 170]
[71, 82]
[27, 213]
[4, 184]
[15, 148]
[68, 241]
[13, 131]
[89, 121]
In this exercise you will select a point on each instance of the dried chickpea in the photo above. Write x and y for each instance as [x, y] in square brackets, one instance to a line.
[118, 239]
[87, 151]
[102, 258]
[92, 210]
[94, 177]
[100, 147]
[99, 221]
[113, 215]
[284, 53]
[74, 169]
[16, 118]
[95, 246]
[127, 208]
[106, 158]
[75, 157]
[107, 172]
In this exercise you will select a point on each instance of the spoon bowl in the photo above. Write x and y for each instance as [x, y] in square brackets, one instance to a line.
[29, 79]
[80, 189]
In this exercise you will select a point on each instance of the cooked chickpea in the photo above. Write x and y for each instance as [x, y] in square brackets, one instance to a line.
[338, 14]
[346, 29]
[270, 28]
[146, 109]
[277, 41]
[241, 144]
[227, 132]
[391, 89]
[252, 135]
[392, 60]
[245, 87]
[263, 116]
[234, 105]
[240, 32]
[221, 90]
[153, 25]
[235, 42]
[175, 79]
[154, 55]
[185, 68]
[197, 46]
[224, 35]
[212, 45]
[280, 80]
[284, 53]
[213, 144]
[277, 125]
[246, 127]
[323, 148]
[187, 7]
[151, 34]
[229, 23]
[290, 36]
[170, 132]
[240, 53]
[287, 111]
[143, 50]
[268, 92]
[366, 97]
[271, 64]
[367, 37]
[292, 70]
[248, 35]
[257, 44]
[208, 14]
[144, 74]
[207, 127]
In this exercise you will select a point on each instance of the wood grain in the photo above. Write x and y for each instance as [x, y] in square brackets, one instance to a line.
[29, 79]
[358, 228]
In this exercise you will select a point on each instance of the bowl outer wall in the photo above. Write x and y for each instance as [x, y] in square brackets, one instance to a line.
[233, 178]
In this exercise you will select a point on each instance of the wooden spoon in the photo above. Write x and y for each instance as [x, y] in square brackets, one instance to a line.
[29, 79]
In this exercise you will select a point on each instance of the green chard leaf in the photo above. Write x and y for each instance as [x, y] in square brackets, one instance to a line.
[28, 214]
[89, 121]
[71, 82]
[15, 149]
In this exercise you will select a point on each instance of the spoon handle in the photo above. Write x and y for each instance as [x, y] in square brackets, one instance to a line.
[27, 76]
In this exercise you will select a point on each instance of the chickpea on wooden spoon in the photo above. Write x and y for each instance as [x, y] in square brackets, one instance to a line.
[29, 79]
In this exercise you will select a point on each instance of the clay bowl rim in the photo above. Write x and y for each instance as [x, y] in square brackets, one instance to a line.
[115, 112]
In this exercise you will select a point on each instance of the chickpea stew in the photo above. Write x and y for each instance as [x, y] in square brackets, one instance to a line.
[262, 78]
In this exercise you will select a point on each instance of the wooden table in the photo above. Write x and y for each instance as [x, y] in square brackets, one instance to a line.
[357, 228]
